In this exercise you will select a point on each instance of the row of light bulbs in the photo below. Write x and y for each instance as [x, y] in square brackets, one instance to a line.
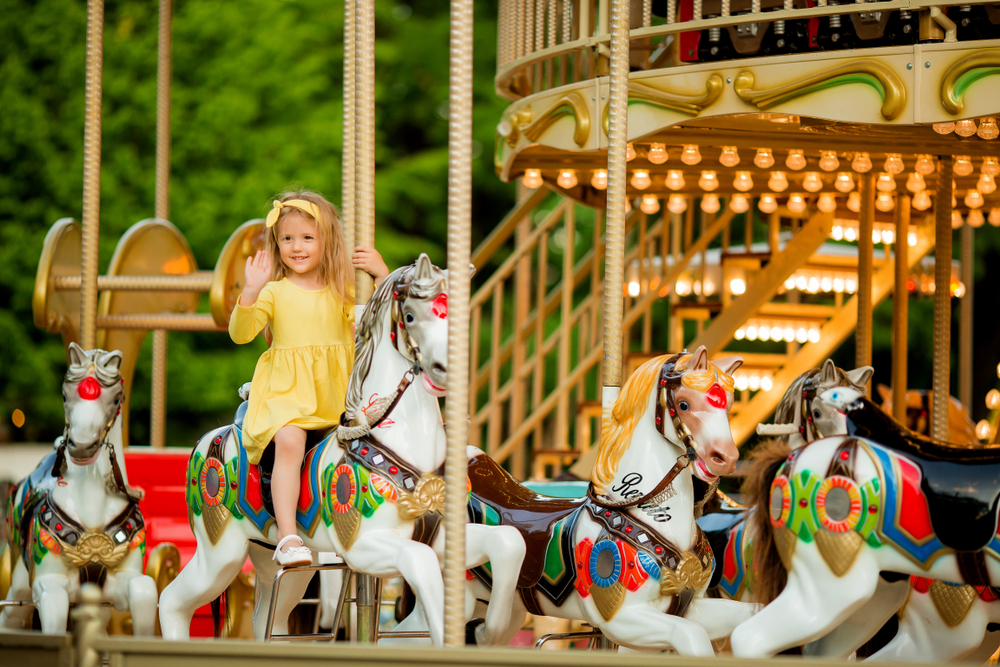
[814, 282]
[987, 128]
[753, 380]
[881, 233]
[975, 218]
[789, 332]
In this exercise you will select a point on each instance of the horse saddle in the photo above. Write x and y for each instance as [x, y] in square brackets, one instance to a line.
[533, 514]
[961, 482]
[717, 527]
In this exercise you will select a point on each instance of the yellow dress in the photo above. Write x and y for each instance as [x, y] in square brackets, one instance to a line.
[302, 379]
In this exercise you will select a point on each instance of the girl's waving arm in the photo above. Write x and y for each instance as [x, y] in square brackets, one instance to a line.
[256, 303]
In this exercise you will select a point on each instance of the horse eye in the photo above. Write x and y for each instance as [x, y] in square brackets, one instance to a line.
[410, 319]
[817, 414]
[683, 405]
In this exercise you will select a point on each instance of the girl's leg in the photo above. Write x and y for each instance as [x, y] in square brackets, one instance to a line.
[290, 444]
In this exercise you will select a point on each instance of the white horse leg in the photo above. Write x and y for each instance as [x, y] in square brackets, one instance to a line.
[17, 618]
[503, 547]
[51, 595]
[203, 579]
[385, 553]
[140, 594]
[924, 637]
[718, 616]
[847, 637]
[641, 626]
[293, 587]
[813, 602]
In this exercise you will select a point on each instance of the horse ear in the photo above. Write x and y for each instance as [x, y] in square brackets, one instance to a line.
[728, 365]
[828, 376]
[111, 360]
[884, 392]
[472, 270]
[423, 267]
[699, 360]
[77, 357]
[860, 376]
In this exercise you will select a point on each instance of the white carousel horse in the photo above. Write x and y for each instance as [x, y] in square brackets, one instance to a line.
[844, 509]
[75, 519]
[629, 559]
[375, 500]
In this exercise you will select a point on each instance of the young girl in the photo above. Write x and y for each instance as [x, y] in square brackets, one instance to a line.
[302, 285]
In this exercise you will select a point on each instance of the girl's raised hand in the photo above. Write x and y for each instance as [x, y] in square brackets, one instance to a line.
[370, 261]
[256, 275]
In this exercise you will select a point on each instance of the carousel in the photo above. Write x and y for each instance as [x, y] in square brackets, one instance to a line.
[644, 444]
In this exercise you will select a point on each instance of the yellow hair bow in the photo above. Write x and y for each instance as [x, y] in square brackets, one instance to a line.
[301, 204]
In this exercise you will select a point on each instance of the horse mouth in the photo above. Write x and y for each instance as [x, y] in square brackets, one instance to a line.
[85, 456]
[432, 388]
[703, 472]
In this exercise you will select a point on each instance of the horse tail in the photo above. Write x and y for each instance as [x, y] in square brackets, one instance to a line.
[770, 574]
[220, 614]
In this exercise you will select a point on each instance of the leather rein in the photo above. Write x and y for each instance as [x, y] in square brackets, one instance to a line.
[668, 381]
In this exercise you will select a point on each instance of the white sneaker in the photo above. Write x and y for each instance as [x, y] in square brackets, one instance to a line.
[294, 556]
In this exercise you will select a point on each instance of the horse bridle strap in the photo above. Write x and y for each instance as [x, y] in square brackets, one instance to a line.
[383, 407]
[807, 427]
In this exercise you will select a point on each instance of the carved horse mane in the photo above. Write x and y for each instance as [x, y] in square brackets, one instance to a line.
[423, 281]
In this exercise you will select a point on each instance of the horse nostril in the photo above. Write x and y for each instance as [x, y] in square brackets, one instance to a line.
[438, 367]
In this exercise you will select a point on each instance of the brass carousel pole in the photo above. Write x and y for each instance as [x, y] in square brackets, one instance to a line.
[364, 229]
[942, 301]
[965, 319]
[900, 310]
[347, 171]
[459, 251]
[91, 174]
[614, 263]
[866, 249]
[158, 391]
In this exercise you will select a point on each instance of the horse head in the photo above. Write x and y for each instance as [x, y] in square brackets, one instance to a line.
[93, 392]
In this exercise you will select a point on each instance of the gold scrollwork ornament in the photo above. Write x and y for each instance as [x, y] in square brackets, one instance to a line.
[689, 105]
[963, 73]
[95, 547]
[690, 574]
[427, 496]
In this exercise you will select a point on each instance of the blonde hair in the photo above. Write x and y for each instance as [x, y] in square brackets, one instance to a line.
[335, 267]
[631, 407]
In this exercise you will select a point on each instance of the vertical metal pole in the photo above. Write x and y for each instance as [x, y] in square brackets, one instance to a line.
[459, 275]
[866, 247]
[942, 301]
[158, 391]
[614, 262]
[901, 310]
[367, 606]
[347, 156]
[91, 174]
[364, 138]
[158, 394]
[965, 321]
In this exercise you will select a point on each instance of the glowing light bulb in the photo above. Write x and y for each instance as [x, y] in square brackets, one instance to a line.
[983, 429]
[994, 217]
[796, 160]
[975, 218]
[764, 158]
[885, 182]
[844, 182]
[754, 382]
[778, 182]
[796, 204]
[988, 128]
[915, 182]
[633, 288]
[827, 202]
[743, 181]
[837, 234]
[986, 184]
[737, 286]
[963, 165]
[924, 165]
[965, 128]
[876, 237]
[922, 200]
[767, 204]
[532, 178]
[944, 128]
[801, 283]
[801, 335]
[788, 334]
[657, 153]
[850, 285]
[993, 399]
[838, 285]
[729, 157]
[956, 220]
[854, 204]
[741, 382]
[974, 199]
[751, 332]
[691, 155]
[650, 204]
[813, 335]
[861, 163]
[710, 204]
[850, 234]
[828, 161]
[884, 202]
[812, 286]
[911, 239]
[600, 179]
[812, 182]
[764, 332]
[640, 179]
[677, 204]
[629, 152]
[675, 179]
[567, 179]
[990, 166]
[766, 383]
[893, 163]
[740, 334]
[739, 204]
[826, 284]
[708, 181]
